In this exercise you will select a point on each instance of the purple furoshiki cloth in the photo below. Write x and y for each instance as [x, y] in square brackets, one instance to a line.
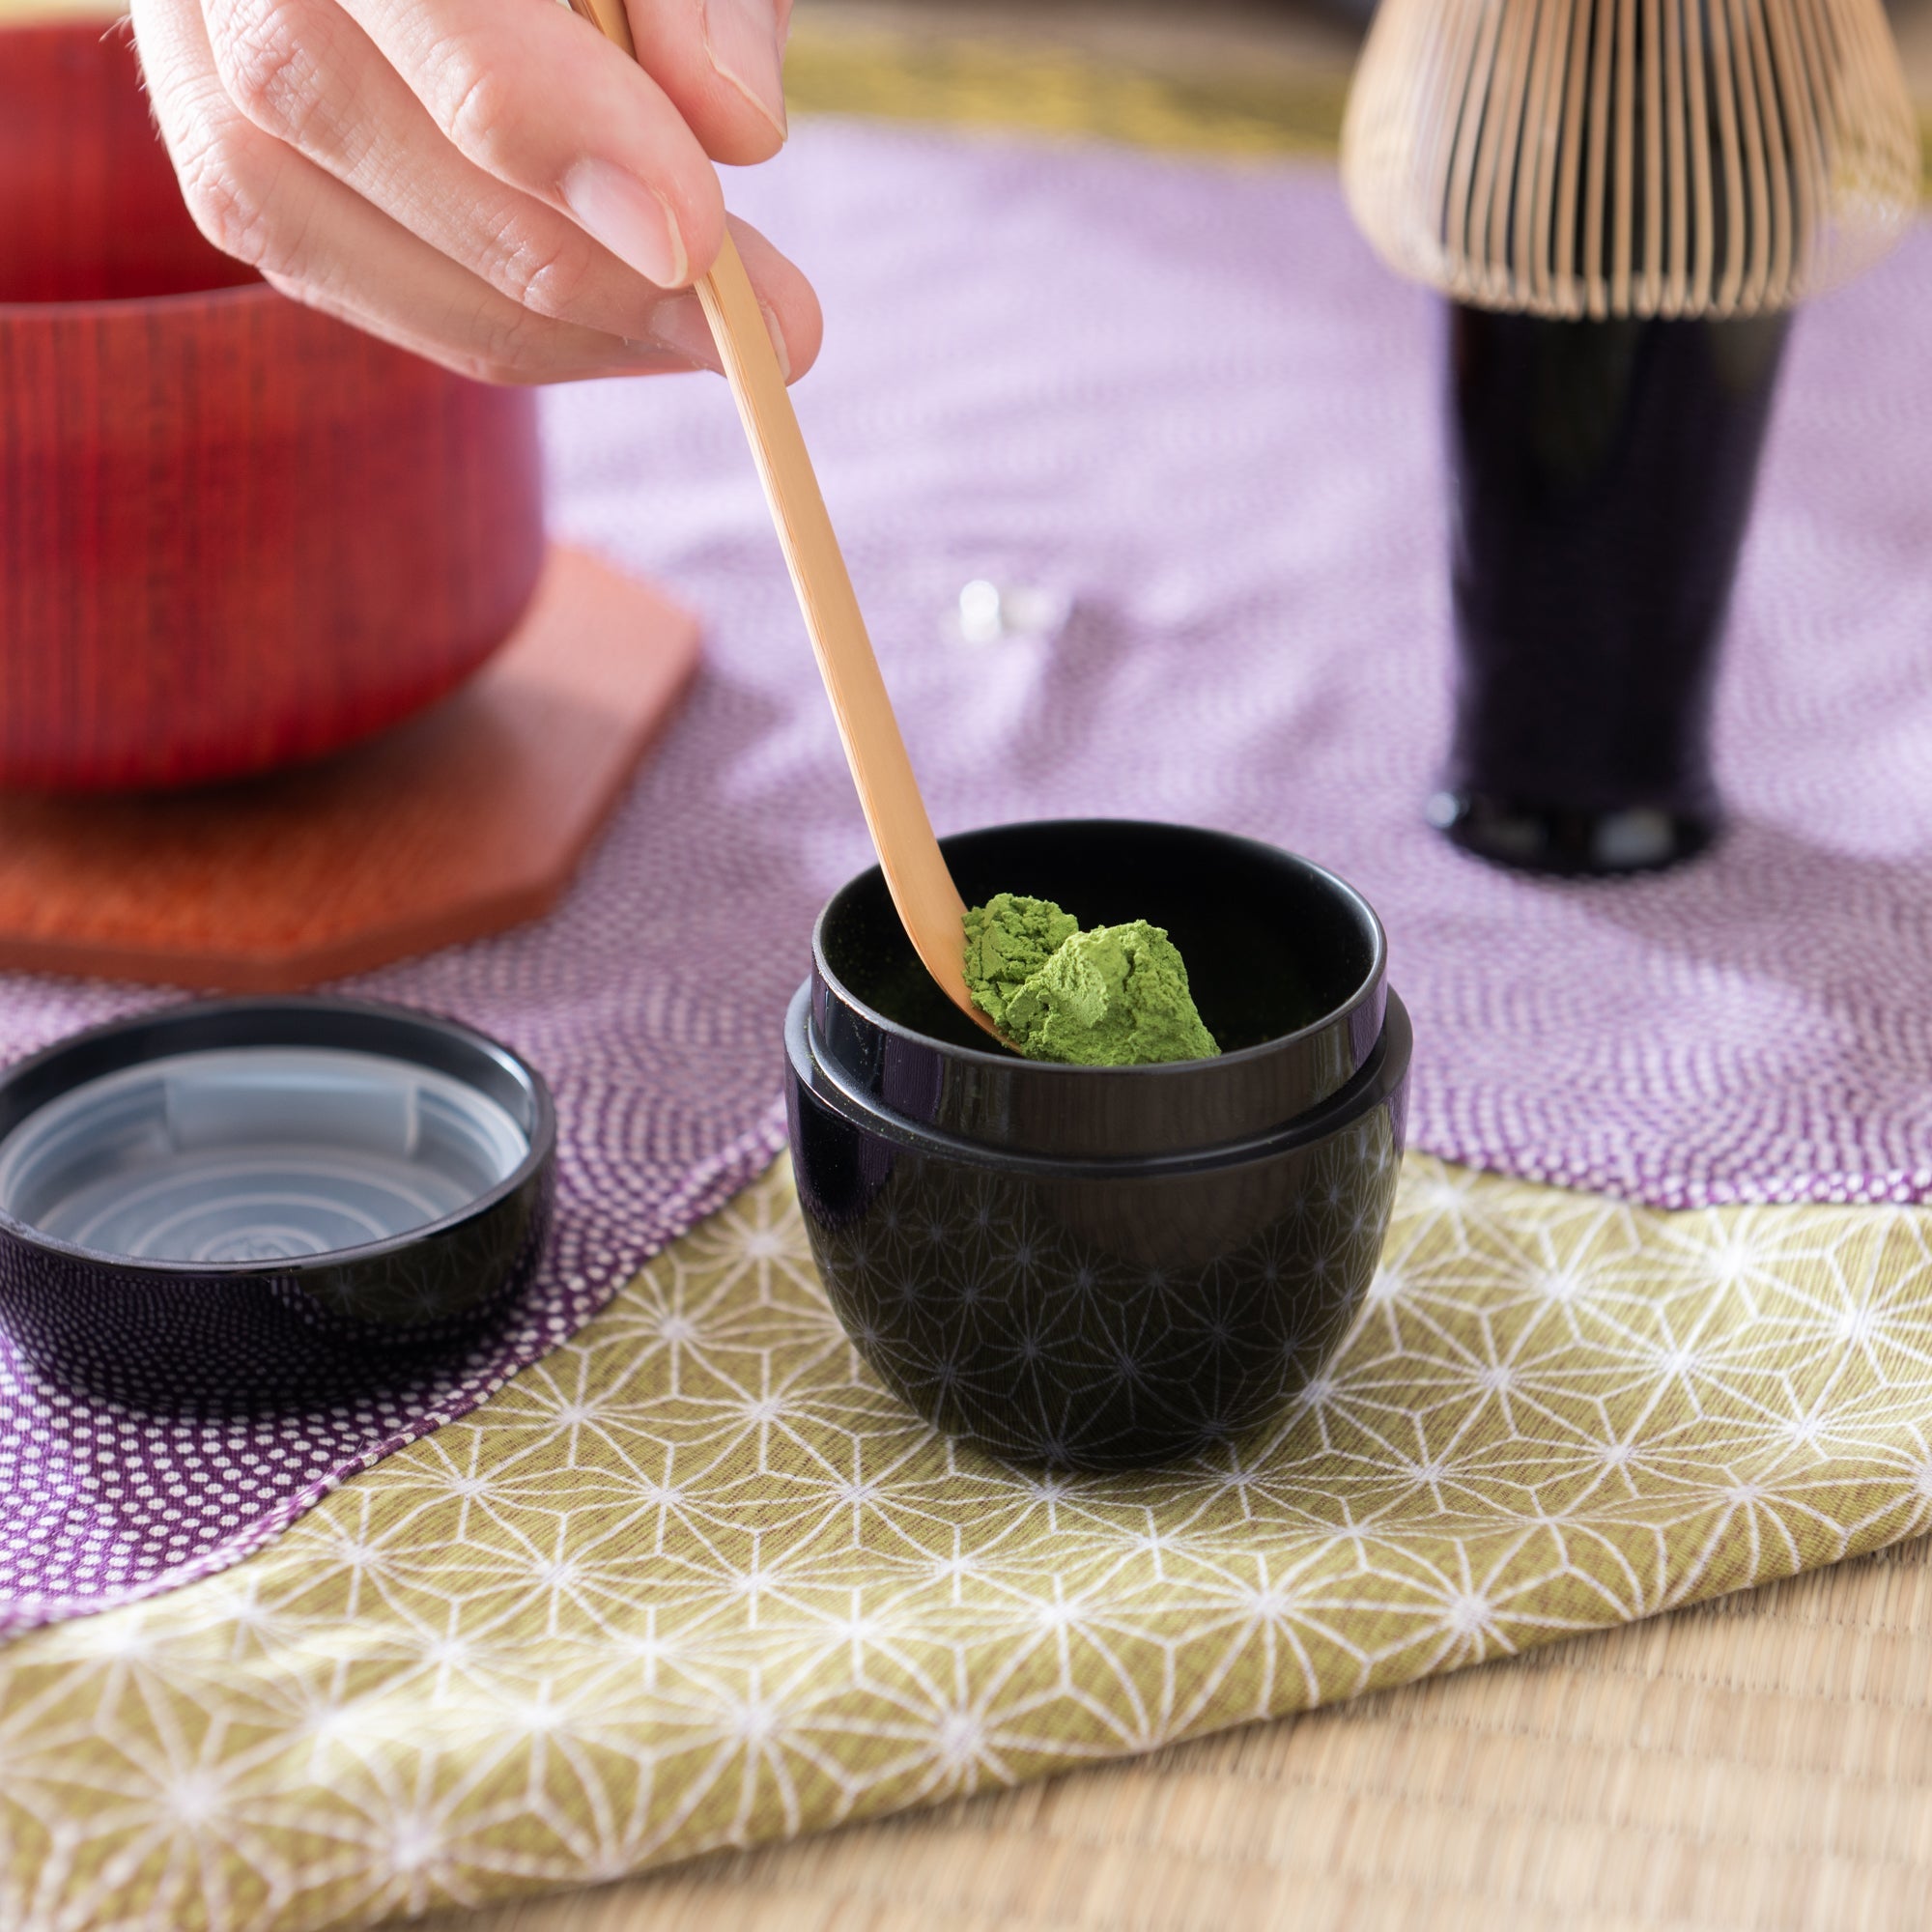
[1183, 399]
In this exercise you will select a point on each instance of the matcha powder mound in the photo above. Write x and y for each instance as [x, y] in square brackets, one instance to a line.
[1116, 996]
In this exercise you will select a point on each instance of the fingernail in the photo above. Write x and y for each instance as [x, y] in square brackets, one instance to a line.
[777, 334]
[635, 222]
[742, 39]
[678, 325]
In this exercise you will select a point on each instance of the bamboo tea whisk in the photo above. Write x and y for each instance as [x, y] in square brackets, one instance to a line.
[1599, 157]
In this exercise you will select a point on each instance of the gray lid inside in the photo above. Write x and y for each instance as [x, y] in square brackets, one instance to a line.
[255, 1154]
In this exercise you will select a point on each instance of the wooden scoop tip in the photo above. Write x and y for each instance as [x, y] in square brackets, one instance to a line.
[945, 968]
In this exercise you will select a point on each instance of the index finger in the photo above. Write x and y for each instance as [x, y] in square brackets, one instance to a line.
[543, 101]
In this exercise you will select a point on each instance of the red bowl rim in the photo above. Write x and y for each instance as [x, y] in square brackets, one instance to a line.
[126, 306]
[90, 30]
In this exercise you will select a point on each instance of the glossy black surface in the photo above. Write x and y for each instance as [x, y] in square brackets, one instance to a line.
[1104, 1308]
[1602, 474]
[215, 1335]
[1286, 962]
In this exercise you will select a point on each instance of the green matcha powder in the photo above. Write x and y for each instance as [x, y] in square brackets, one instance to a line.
[1116, 996]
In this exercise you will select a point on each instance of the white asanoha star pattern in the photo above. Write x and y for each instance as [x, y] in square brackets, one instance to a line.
[694, 1580]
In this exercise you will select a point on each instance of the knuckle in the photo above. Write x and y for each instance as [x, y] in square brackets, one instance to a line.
[217, 184]
[549, 274]
[268, 64]
[473, 98]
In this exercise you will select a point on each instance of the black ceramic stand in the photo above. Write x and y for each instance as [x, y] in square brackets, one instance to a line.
[1602, 479]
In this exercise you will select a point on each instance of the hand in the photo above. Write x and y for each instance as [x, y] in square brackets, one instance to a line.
[490, 182]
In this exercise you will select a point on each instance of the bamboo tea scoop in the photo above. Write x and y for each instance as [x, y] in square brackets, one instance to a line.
[928, 901]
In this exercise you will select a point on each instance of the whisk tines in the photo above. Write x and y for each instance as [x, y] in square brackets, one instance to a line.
[1595, 157]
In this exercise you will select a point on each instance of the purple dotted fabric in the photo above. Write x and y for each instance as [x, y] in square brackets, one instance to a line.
[1185, 402]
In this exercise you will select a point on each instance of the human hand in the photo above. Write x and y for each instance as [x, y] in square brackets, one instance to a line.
[489, 182]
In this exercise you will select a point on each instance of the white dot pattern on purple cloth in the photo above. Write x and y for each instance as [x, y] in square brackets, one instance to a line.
[1185, 399]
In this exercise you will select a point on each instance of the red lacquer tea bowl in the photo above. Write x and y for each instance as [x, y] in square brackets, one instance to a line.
[233, 532]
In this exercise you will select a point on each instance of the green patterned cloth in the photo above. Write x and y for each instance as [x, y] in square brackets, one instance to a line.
[694, 1580]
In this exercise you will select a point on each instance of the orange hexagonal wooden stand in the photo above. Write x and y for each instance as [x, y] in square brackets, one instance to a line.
[466, 819]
